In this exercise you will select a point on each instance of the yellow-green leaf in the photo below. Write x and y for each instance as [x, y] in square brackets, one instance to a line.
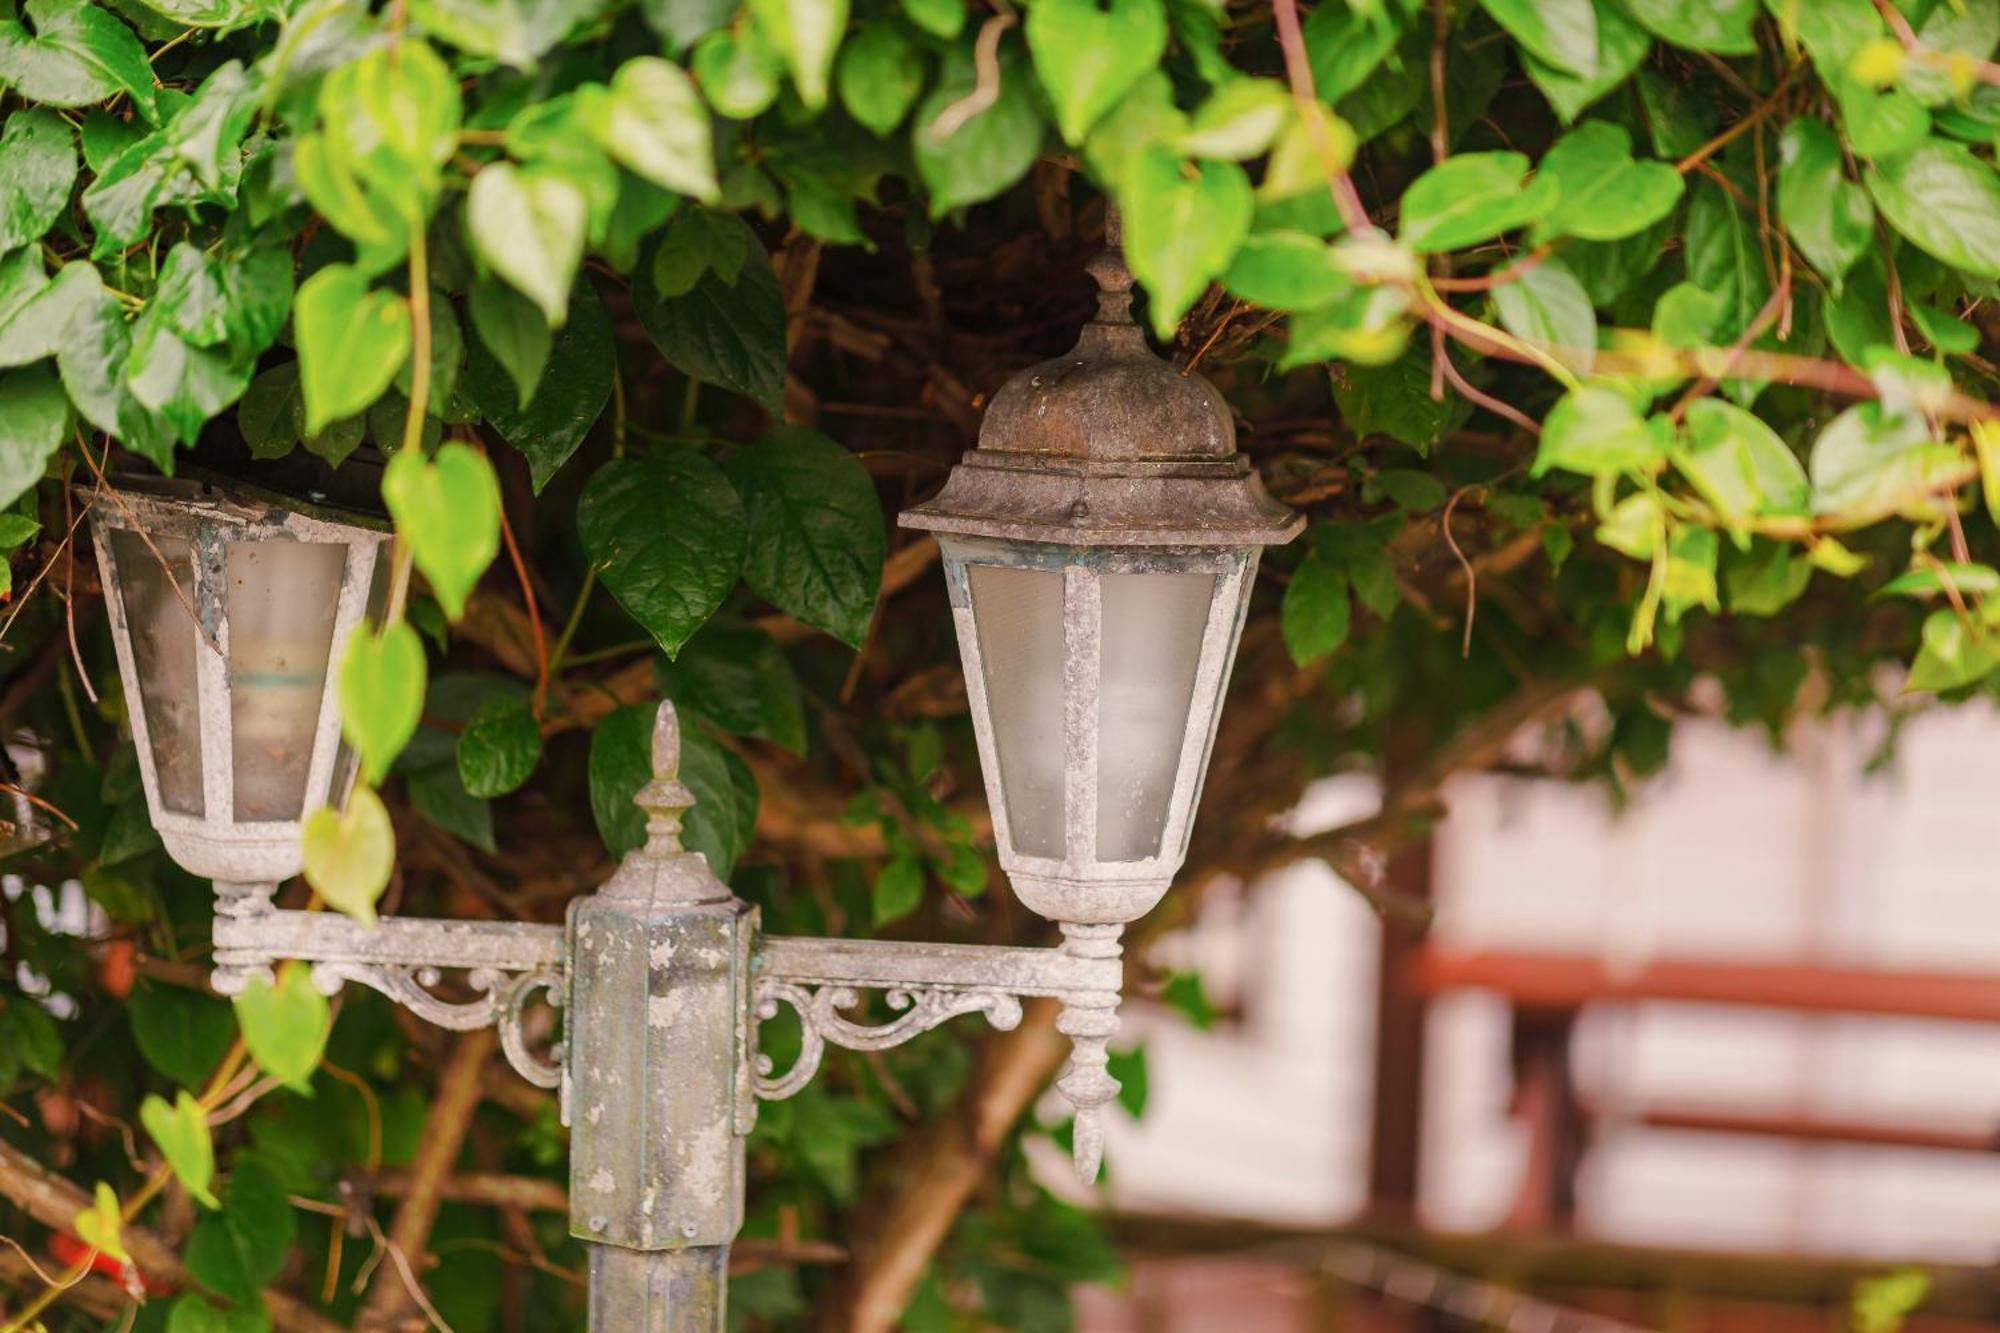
[350, 853]
[181, 1131]
[448, 509]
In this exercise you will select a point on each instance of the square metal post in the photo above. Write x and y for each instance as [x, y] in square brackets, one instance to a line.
[658, 1068]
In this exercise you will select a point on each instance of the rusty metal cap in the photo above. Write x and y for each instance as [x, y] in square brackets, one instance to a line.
[1108, 445]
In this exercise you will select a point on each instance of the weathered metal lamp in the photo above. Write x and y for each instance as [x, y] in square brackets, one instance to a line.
[1099, 547]
[228, 611]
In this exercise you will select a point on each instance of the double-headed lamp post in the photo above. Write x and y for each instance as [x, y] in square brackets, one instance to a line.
[1099, 546]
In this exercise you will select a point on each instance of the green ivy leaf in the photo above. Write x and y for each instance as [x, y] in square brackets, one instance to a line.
[1344, 45]
[1722, 26]
[735, 677]
[987, 153]
[78, 54]
[1829, 216]
[739, 71]
[193, 1314]
[1181, 229]
[816, 543]
[1604, 195]
[1316, 612]
[898, 890]
[351, 343]
[101, 1226]
[285, 1026]
[34, 415]
[528, 224]
[569, 375]
[448, 509]
[1561, 32]
[1740, 466]
[1725, 259]
[1596, 431]
[1286, 270]
[241, 1249]
[181, 1131]
[350, 854]
[382, 678]
[180, 1033]
[726, 332]
[1873, 460]
[1088, 56]
[1470, 198]
[654, 123]
[1548, 307]
[1239, 120]
[1945, 200]
[1621, 47]
[38, 162]
[666, 533]
[499, 748]
[939, 18]
[1954, 654]
[807, 33]
[880, 74]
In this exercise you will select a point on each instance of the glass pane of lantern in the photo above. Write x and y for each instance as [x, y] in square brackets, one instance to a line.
[157, 581]
[1152, 632]
[282, 596]
[1019, 616]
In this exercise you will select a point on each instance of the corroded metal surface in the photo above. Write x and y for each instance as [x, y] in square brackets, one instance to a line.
[659, 1039]
[505, 964]
[216, 844]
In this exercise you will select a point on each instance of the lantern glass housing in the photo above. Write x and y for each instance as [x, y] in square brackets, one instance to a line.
[228, 611]
[1099, 546]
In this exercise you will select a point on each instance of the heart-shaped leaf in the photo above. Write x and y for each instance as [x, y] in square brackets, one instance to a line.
[529, 225]
[807, 33]
[38, 160]
[181, 1131]
[1088, 56]
[101, 1226]
[285, 1025]
[382, 679]
[655, 124]
[351, 343]
[448, 509]
[1182, 227]
[194, 1314]
[1605, 195]
[1470, 198]
[816, 542]
[499, 748]
[350, 853]
[667, 536]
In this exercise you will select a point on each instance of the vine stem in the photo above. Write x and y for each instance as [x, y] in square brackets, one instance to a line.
[420, 341]
[534, 614]
[1298, 72]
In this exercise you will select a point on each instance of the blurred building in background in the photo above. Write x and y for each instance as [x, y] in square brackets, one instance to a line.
[1736, 1156]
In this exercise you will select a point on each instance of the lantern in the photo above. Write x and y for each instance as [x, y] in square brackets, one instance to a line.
[1099, 548]
[229, 611]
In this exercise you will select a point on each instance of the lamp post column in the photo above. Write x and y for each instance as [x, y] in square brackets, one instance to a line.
[657, 1074]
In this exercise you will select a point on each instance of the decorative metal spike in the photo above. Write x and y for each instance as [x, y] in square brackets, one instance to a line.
[1089, 1019]
[665, 800]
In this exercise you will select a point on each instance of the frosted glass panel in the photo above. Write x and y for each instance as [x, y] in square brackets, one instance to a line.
[281, 598]
[160, 618]
[1019, 615]
[1153, 626]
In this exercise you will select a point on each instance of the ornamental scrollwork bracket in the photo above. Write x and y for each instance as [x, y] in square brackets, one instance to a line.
[505, 965]
[920, 1008]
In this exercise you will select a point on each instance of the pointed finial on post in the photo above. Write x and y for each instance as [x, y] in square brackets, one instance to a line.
[665, 799]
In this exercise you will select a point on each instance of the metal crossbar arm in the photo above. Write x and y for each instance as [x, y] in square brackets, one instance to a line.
[505, 964]
[926, 984]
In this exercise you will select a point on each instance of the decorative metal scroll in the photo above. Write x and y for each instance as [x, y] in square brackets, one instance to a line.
[920, 1008]
[502, 1000]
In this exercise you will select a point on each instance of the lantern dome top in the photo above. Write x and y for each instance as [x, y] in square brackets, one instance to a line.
[1110, 397]
[1108, 445]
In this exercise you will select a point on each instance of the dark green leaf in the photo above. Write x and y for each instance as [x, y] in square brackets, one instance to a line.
[181, 1033]
[735, 677]
[1828, 215]
[34, 414]
[78, 55]
[723, 332]
[1705, 25]
[1316, 612]
[816, 543]
[667, 534]
[1561, 32]
[38, 162]
[238, 1250]
[499, 748]
[567, 397]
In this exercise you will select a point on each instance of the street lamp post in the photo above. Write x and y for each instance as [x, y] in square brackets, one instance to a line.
[1099, 546]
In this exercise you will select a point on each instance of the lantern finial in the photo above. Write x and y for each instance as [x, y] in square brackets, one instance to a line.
[665, 799]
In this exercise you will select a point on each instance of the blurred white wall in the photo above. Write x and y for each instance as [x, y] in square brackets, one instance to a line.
[1736, 852]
